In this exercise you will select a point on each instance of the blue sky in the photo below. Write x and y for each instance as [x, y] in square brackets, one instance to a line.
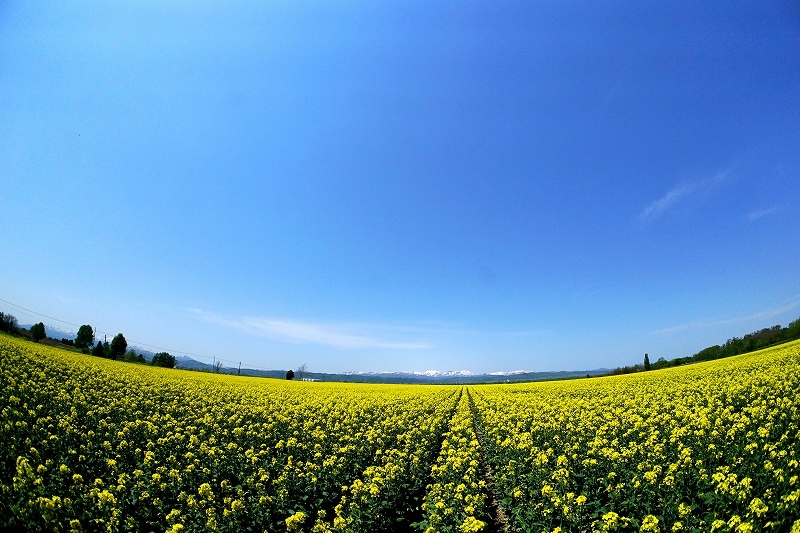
[403, 186]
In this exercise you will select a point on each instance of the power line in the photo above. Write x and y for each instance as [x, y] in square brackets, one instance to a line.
[39, 314]
[253, 367]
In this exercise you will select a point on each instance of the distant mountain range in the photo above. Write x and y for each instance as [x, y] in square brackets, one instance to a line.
[55, 332]
[427, 373]
[454, 376]
[440, 375]
[427, 376]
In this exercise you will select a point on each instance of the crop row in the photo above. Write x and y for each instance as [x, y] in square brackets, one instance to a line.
[456, 498]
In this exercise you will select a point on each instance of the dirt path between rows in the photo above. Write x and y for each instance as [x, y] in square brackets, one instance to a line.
[499, 522]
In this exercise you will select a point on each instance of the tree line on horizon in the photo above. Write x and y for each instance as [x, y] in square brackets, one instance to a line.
[117, 349]
[757, 340]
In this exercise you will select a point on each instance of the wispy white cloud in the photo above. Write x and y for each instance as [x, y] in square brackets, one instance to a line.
[655, 209]
[679, 192]
[335, 335]
[419, 336]
[457, 330]
[789, 305]
[755, 215]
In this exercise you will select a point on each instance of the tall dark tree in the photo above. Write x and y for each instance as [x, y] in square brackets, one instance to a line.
[646, 362]
[118, 346]
[38, 332]
[98, 350]
[163, 359]
[290, 374]
[85, 337]
[793, 329]
[8, 323]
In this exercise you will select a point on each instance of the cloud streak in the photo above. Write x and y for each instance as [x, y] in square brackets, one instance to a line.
[359, 336]
[766, 313]
[678, 193]
[352, 336]
[655, 209]
[755, 215]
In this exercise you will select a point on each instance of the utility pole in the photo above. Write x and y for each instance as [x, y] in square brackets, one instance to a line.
[240, 368]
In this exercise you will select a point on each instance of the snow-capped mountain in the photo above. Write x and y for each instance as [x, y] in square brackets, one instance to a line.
[454, 376]
[55, 332]
[437, 373]
[446, 374]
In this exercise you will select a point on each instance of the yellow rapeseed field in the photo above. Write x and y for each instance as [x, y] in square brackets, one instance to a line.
[90, 444]
[708, 447]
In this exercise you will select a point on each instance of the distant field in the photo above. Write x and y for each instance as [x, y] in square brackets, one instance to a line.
[91, 444]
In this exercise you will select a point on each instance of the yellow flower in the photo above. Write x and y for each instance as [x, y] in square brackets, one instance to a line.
[610, 519]
[650, 523]
[294, 521]
[205, 491]
[471, 524]
[757, 507]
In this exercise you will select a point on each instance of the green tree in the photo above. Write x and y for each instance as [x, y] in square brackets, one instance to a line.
[646, 362]
[85, 337]
[118, 346]
[37, 332]
[98, 350]
[290, 374]
[8, 323]
[132, 357]
[794, 329]
[163, 359]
